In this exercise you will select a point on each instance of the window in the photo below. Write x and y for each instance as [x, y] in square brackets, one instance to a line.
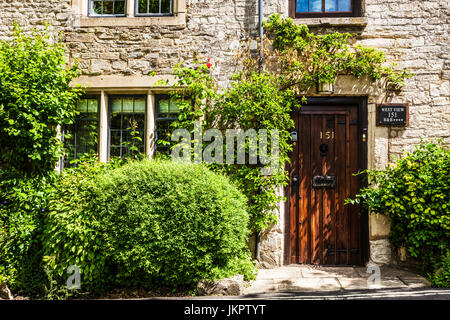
[128, 13]
[127, 124]
[101, 8]
[81, 137]
[153, 7]
[324, 8]
[166, 112]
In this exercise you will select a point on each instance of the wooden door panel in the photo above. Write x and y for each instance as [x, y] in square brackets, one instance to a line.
[323, 229]
[296, 163]
[305, 194]
[316, 194]
[328, 165]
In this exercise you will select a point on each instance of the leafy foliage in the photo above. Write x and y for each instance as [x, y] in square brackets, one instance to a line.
[441, 277]
[415, 193]
[35, 97]
[146, 223]
[253, 103]
[23, 202]
[262, 97]
[303, 58]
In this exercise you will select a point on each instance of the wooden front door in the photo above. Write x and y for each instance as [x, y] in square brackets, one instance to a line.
[323, 230]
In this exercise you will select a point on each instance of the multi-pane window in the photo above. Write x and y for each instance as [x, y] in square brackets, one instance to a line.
[313, 8]
[107, 7]
[167, 111]
[127, 124]
[81, 137]
[154, 7]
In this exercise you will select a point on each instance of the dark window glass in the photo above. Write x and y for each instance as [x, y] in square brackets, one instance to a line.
[167, 112]
[81, 137]
[107, 7]
[154, 7]
[119, 7]
[127, 124]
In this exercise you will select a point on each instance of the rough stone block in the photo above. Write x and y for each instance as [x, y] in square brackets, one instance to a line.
[233, 286]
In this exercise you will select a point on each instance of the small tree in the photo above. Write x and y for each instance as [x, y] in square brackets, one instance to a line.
[35, 97]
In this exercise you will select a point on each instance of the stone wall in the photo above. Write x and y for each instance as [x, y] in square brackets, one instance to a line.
[413, 33]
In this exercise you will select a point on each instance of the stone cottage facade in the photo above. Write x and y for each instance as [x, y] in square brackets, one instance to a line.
[118, 43]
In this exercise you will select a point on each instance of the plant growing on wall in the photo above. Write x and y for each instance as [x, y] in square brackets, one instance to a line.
[262, 97]
[301, 59]
[35, 97]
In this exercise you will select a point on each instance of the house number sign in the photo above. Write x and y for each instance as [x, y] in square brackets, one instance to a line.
[327, 135]
[393, 114]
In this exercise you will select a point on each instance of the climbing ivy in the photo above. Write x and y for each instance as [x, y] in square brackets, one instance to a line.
[302, 58]
[263, 96]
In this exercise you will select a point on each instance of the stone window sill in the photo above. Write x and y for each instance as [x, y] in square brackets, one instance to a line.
[333, 22]
[178, 19]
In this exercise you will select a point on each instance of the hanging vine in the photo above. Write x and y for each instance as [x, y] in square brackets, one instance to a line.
[295, 60]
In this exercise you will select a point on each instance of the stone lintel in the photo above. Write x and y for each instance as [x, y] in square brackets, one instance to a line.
[119, 82]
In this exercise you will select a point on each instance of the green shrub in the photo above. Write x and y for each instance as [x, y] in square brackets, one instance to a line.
[415, 193]
[23, 201]
[147, 223]
[441, 277]
[35, 97]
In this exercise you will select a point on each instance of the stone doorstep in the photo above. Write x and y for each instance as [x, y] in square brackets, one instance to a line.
[358, 284]
[279, 274]
[324, 284]
[416, 282]
[260, 286]
[353, 283]
[310, 284]
[327, 272]
[390, 273]
[322, 279]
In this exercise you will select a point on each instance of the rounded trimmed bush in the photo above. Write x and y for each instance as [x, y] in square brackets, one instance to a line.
[147, 223]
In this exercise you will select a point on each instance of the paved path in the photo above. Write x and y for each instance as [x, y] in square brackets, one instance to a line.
[303, 278]
[424, 293]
